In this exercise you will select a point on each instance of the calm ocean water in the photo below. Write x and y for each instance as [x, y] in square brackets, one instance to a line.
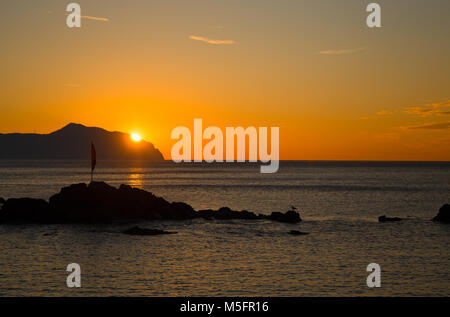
[338, 201]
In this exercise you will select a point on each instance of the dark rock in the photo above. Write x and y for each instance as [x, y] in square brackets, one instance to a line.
[206, 214]
[182, 211]
[226, 213]
[136, 231]
[290, 216]
[443, 214]
[2, 200]
[26, 210]
[388, 219]
[297, 233]
[100, 202]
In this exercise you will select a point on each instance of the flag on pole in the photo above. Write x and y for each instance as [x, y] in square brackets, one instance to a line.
[93, 160]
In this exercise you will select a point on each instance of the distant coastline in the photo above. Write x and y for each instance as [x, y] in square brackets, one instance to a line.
[73, 142]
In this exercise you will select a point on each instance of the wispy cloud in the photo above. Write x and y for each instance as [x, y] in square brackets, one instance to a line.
[384, 112]
[87, 17]
[211, 41]
[343, 51]
[437, 108]
[431, 126]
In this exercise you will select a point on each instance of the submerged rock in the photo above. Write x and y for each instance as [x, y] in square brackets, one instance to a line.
[297, 233]
[443, 214]
[49, 234]
[388, 219]
[136, 231]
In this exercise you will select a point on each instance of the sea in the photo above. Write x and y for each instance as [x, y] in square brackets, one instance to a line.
[339, 203]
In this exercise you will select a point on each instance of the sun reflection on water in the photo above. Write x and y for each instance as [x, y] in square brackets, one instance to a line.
[136, 178]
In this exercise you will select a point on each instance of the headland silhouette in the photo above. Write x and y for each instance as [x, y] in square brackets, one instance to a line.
[73, 142]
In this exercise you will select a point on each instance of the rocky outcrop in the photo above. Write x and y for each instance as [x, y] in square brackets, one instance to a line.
[388, 219]
[290, 216]
[443, 214]
[26, 210]
[136, 231]
[99, 202]
[226, 213]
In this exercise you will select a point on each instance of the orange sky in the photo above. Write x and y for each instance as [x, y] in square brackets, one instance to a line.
[337, 89]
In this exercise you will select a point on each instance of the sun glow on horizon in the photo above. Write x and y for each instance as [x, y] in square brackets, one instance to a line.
[136, 137]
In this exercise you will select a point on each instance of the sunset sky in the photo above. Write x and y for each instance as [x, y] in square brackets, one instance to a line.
[337, 89]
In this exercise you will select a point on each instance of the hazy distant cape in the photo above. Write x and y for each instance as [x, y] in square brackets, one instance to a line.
[73, 142]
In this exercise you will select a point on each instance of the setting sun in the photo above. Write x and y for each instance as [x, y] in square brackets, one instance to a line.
[135, 137]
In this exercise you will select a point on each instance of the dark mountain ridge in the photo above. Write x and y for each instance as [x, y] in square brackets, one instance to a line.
[73, 142]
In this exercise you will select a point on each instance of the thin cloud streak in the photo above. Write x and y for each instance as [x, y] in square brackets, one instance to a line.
[431, 126]
[437, 108]
[384, 113]
[87, 17]
[342, 52]
[211, 41]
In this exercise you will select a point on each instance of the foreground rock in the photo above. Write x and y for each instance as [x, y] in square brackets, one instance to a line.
[26, 210]
[136, 231]
[443, 214]
[2, 200]
[388, 219]
[99, 202]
